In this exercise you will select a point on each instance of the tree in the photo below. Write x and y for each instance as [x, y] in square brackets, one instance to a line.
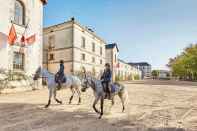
[155, 74]
[184, 66]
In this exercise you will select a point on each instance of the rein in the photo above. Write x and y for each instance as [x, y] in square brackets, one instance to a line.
[94, 85]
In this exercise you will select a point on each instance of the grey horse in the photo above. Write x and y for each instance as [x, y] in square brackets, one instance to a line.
[99, 93]
[72, 82]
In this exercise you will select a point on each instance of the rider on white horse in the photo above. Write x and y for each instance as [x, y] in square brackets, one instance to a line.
[60, 77]
[106, 79]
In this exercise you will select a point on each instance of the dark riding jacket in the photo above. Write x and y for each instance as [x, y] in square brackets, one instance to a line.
[107, 75]
[61, 70]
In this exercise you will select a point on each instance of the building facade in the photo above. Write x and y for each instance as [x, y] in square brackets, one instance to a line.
[79, 47]
[127, 72]
[112, 58]
[144, 67]
[23, 15]
[120, 69]
[164, 74]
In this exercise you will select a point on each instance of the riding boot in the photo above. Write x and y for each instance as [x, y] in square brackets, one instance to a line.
[109, 94]
[59, 86]
[108, 90]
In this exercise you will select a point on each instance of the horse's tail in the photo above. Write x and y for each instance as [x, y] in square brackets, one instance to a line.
[123, 92]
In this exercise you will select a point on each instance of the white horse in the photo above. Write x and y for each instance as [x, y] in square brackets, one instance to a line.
[100, 94]
[72, 82]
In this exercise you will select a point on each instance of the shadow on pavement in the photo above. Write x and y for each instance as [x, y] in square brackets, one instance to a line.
[32, 117]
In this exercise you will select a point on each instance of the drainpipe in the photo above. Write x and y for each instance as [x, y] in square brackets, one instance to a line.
[72, 70]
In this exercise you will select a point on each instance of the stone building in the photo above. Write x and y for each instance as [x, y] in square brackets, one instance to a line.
[125, 71]
[78, 46]
[144, 67]
[112, 57]
[120, 69]
[24, 15]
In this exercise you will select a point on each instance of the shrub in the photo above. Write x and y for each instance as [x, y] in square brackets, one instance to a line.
[136, 77]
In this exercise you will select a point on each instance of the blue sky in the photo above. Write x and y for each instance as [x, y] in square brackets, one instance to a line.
[145, 30]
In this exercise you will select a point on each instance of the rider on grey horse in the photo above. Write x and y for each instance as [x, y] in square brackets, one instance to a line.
[106, 79]
[60, 78]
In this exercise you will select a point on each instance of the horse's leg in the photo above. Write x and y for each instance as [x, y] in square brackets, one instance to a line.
[94, 104]
[112, 101]
[79, 94]
[102, 103]
[54, 95]
[120, 94]
[73, 92]
[50, 95]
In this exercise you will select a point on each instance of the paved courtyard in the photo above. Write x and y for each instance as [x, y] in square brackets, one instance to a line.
[153, 106]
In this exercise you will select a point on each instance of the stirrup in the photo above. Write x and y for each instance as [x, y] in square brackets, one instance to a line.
[59, 87]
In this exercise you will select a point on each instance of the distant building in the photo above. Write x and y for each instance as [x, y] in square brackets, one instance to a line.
[144, 67]
[163, 74]
[112, 57]
[78, 46]
[124, 71]
[121, 70]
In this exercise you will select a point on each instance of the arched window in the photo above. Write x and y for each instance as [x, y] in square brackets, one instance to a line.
[19, 13]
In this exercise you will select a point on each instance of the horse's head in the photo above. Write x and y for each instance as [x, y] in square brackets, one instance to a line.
[85, 83]
[38, 73]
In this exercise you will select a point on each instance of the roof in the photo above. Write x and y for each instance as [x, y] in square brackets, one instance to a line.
[139, 64]
[111, 46]
[122, 61]
[73, 20]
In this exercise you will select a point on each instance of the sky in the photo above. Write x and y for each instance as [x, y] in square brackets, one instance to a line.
[145, 30]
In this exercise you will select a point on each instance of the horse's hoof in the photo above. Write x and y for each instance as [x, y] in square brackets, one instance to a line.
[100, 117]
[98, 112]
[46, 106]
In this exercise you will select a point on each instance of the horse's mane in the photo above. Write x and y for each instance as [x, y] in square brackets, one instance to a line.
[48, 71]
[92, 77]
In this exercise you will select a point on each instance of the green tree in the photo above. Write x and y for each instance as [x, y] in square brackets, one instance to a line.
[184, 66]
[155, 74]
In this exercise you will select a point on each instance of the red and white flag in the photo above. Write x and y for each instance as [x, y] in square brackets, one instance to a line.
[22, 41]
[12, 35]
[30, 40]
[118, 65]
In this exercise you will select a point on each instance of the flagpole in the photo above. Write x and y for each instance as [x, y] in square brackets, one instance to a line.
[25, 31]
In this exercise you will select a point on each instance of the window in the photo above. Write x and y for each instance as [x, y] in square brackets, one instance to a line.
[18, 61]
[19, 13]
[93, 71]
[83, 57]
[101, 51]
[93, 47]
[101, 62]
[83, 42]
[93, 60]
[51, 56]
[51, 41]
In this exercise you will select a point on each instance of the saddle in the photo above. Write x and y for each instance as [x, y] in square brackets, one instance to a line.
[113, 86]
[60, 78]
[108, 93]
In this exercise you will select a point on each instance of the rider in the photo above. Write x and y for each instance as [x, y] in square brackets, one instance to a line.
[60, 74]
[106, 78]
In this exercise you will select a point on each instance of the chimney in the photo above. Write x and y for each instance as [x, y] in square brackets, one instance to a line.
[73, 19]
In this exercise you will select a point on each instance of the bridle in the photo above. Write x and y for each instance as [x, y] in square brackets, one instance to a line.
[86, 82]
[89, 83]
